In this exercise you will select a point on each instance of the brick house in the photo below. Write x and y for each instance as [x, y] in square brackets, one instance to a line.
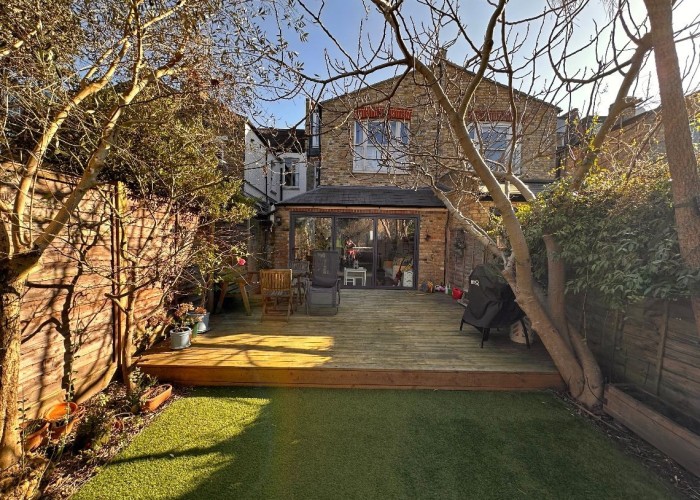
[373, 151]
[639, 135]
[636, 136]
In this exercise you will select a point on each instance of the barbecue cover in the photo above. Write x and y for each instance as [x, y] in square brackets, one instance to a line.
[491, 301]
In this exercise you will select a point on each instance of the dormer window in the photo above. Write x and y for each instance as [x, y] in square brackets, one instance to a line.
[380, 140]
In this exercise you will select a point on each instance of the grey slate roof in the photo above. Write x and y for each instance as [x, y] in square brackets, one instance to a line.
[365, 196]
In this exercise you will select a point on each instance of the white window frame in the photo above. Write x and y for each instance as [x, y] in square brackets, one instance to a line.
[290, 169]
[380, 146]
[315, 129]
[476, 132]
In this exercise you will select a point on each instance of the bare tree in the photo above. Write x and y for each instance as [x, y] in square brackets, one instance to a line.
[59, 59]
[513, 52]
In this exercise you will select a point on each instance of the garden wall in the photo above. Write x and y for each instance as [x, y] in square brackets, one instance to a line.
[70, 327]
[653, 345]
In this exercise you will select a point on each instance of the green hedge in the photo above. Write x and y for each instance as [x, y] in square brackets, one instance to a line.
[617, 236]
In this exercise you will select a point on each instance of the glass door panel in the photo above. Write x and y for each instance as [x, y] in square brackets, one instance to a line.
[396, 246]
[355, 240]
[311, 233]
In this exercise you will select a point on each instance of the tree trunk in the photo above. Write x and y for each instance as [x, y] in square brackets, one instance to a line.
[679, 145]
[10, 449]
[13, 282]
[128, 342]
[592, 395]
[556, 280]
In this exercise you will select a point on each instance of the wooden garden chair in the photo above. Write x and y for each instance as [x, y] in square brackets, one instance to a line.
[276, 290]
[300, 277]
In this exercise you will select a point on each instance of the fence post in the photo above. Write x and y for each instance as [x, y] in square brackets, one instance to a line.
[662, 348]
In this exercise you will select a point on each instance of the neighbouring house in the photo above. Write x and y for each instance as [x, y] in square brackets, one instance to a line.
[636, 136]
[275, 165]
[640, 136]
[374, 150]
[274, 169]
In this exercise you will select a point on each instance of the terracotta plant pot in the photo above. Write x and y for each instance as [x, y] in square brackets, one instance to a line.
[156, 396]
[36, 438]
[62, 418]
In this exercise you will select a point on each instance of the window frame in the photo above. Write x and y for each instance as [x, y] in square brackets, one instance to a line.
[375, 148]
[495, 165]
[290, 170]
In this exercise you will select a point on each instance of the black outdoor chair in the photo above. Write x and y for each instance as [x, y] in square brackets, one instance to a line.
[323, 289]
[491, 303]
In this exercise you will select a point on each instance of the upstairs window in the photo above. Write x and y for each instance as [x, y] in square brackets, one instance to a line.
[381, 139]
[290, 174]
[494, 140]
[315, 131]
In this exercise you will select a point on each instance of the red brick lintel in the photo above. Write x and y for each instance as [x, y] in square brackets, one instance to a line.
[383, 112]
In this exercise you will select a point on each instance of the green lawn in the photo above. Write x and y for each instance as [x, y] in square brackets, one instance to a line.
[337, 444]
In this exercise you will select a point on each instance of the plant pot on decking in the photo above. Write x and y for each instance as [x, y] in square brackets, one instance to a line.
[202, 322]
[180, 338]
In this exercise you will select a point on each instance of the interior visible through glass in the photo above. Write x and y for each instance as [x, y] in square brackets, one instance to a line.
[373, 251]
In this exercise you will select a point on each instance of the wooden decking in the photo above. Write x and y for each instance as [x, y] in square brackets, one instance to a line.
[379, 338]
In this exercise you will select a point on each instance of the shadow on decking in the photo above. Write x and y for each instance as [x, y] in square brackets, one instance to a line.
[379, 338]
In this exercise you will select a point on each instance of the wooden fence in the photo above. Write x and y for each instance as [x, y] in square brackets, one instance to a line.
[70, 327]
[653, 344]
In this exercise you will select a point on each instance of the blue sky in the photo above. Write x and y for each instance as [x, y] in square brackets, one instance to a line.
[355, 29]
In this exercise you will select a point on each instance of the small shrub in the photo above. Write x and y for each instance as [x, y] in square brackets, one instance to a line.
[95, 428]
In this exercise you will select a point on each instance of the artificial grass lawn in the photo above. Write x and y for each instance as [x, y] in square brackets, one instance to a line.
[316, 443]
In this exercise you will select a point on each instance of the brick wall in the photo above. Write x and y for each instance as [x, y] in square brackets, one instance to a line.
[432, 145]
[432, 237]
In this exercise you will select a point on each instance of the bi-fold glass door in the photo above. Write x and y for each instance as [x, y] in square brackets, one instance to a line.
[396, 252]
[374, 252]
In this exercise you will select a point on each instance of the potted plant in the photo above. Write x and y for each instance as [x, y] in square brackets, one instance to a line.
[155, 396]
[141, 382]
[181, 333]
[200, 317]
[61, 418]
[34, 433]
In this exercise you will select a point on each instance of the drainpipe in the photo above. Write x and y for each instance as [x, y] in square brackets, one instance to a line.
[265, 171]
[447, 248]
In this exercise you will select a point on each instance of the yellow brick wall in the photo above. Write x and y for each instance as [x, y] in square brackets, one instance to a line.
[431, 140]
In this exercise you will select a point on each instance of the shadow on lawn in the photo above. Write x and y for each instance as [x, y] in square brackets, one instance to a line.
[315, 443]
